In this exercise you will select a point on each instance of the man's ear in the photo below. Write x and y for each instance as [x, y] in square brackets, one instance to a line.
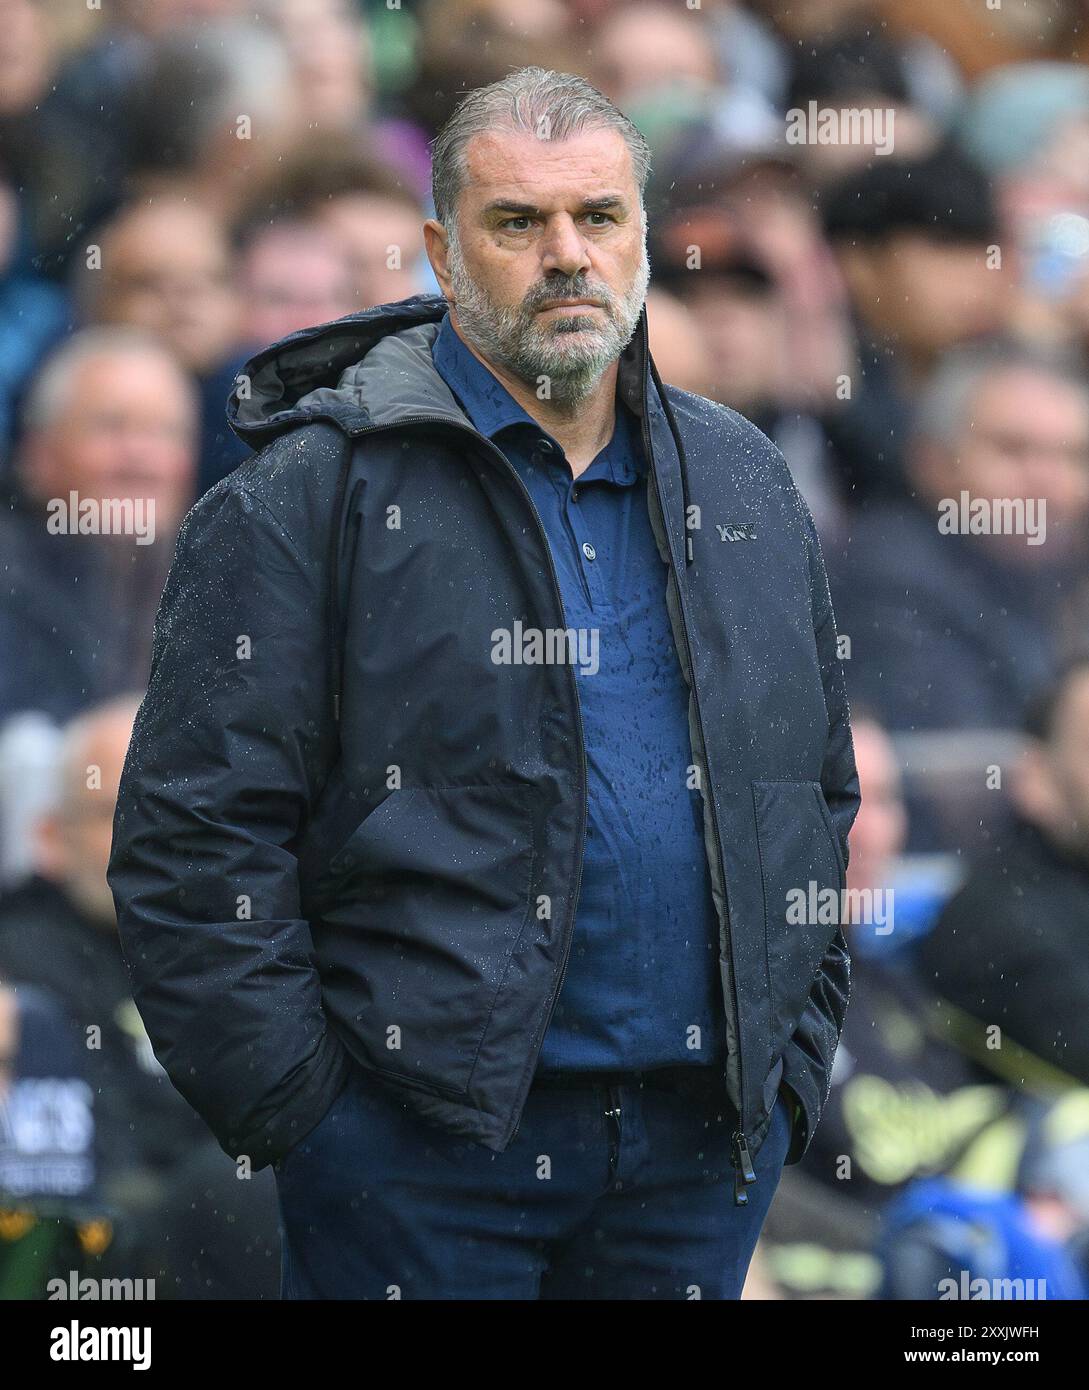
[437, 246]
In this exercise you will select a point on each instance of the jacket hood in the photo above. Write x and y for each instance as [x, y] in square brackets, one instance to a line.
[365, 369]
[375, 368]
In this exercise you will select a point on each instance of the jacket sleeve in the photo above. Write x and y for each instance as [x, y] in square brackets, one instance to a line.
[807, 1061]
[229, 742]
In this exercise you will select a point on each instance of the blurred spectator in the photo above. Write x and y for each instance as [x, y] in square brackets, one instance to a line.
[105, 472]
[28, 754]
[34, 315]
[353, 196]
[1028, 126]
[382, 235]
[738, 311]
[903, 1103]
[329, 53]
[165, 266]
[955, 622]
[980, 39]
[334, 59]
[748, 51]
[291, 275]
[58, 933]
[679, 349]
[758, 325]
[62, 172]
[946, 1239]
[862, 70]
[1010, 954]
[1030, 121]
[214, 110]
[915, 240]
[469, 43]
[53, 1220]
[658, 63]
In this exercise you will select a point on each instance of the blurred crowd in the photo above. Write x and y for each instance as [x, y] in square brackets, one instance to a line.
[869, 233]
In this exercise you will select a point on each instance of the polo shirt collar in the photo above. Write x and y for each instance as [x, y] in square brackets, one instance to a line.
[492, 408]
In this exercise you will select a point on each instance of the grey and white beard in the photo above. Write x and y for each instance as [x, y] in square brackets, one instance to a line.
[558, 366]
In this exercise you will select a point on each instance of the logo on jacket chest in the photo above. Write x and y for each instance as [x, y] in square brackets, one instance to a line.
[737, 531]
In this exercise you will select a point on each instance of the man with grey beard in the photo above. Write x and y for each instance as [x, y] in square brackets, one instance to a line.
[478, 762]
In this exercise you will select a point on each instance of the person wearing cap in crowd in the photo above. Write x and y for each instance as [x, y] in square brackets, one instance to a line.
[915, 241]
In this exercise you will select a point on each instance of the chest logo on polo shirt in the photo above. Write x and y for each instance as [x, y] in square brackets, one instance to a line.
[737, 531]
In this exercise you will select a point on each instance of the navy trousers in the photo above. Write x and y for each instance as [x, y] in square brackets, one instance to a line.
[610, 1190]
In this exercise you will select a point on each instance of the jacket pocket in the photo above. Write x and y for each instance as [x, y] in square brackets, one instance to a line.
[802, 871]
[426, 902]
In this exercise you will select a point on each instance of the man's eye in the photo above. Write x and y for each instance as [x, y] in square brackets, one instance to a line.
[606, 218]
[522, 224]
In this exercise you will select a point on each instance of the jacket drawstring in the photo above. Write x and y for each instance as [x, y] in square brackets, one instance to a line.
[336, 634]
[675, 431]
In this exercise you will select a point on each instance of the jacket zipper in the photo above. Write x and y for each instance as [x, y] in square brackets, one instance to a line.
[613, 1120]
[745, 1174]
[580, 740]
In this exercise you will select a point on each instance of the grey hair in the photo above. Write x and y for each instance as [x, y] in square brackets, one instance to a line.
[944, 404]
[48, 394]
[70, 754]
[529, 101]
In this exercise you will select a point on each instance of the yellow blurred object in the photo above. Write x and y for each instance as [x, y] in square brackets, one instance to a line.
[15, 1224]
[95, 1236]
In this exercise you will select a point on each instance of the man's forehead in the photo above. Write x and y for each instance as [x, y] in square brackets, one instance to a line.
[501, 163]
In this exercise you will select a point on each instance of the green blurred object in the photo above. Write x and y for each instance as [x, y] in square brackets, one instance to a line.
[35, 1249]
[394, 35]
[668, 110]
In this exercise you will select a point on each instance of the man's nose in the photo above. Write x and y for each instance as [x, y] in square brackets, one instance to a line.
[564, 249]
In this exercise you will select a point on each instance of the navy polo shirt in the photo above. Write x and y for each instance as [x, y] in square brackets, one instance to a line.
[642, 988]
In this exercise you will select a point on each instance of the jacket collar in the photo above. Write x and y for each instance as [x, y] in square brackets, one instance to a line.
[372, 369]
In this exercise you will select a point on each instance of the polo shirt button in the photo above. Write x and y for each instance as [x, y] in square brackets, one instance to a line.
[589, 551]
[545, 446]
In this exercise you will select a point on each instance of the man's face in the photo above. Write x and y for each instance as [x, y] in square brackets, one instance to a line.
[168, 271]
[126, 430]
[1030, 436]
[1027, 437]
[293, 278]
[929, 294]
[382, 240]
[548, 270]
[746, 334]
